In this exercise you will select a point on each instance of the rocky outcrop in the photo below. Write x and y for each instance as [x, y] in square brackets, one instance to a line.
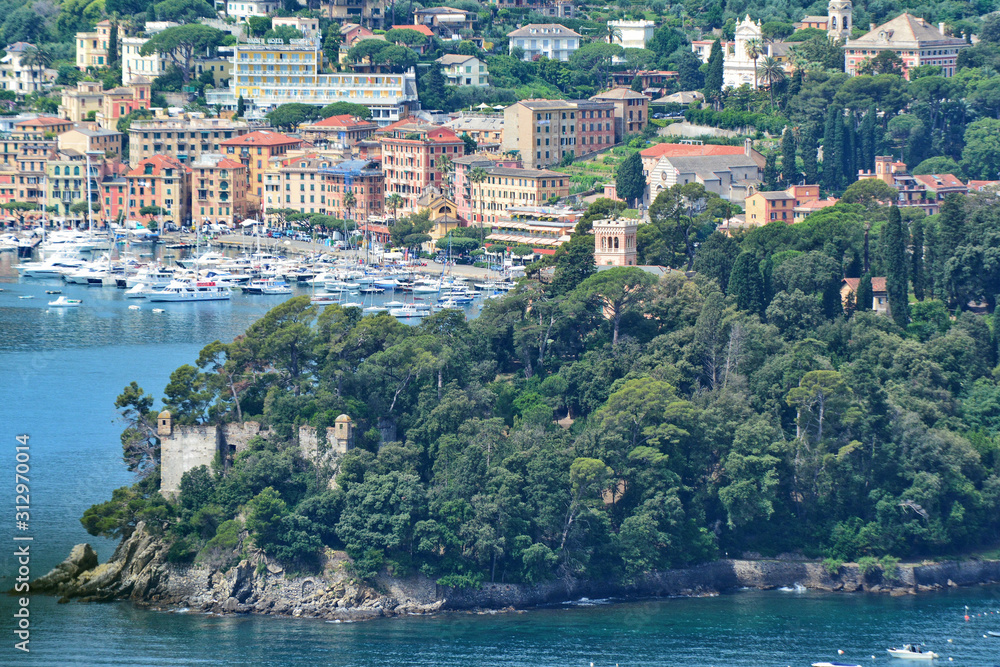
[139, 571]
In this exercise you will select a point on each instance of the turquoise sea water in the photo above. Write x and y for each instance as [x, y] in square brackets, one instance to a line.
[60, 371]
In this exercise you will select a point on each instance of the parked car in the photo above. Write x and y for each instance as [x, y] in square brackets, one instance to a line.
[658, 115]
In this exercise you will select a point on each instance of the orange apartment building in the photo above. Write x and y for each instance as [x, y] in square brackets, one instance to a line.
[160, 180]
[218, 190]
[544, 131]
[364, 179]
[765, 207]
[911, 191]
[255, 150]
[43, 127]
[411, 158]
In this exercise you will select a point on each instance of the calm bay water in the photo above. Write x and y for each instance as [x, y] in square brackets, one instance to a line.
[60, 371]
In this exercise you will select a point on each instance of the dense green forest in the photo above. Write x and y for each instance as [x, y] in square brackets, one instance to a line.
[741, 409]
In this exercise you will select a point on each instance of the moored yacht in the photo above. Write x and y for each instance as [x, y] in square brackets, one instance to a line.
[191, 290]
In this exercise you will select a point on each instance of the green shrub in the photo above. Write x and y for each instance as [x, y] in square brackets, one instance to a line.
[890, 568]
[182, 551]
[227, 536]
[868, 565]
[462, 580]
[832, 566]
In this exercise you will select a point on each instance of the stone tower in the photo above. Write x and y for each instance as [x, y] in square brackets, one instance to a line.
[839, 19]
[614, 242]
[164, 423]
[343, 435]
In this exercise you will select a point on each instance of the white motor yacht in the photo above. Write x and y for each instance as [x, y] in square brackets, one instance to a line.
[191, 290]
[54, 267]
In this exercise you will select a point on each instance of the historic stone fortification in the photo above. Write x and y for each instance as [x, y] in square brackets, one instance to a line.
[183, 448]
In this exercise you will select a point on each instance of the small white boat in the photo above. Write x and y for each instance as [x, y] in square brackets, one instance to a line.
[134, 308]
[372, 310]
[181, 290]
[410, 310]
[912, 652]
[324, 299]
[993, 633]
[26, 296]
[63, 302]
[158, 310]
[277, 287]
[138, 291]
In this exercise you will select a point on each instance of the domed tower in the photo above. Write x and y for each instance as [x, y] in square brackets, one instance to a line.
[840, 22]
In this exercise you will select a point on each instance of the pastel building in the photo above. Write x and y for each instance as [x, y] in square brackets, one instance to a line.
[911, 38]
[551, 40]
[162, 181]
[614, 242]
[633, 34]
[92, 47]
[411, 158]
[544, 131]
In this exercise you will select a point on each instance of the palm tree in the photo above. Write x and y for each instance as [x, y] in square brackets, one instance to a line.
[445, 166]
[478, 175]
[349, 202]
[612, 32]
[36, 60]
[755, 49]
[394, 201]
[771, 72]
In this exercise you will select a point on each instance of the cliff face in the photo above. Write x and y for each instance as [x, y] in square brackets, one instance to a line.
[138, 571]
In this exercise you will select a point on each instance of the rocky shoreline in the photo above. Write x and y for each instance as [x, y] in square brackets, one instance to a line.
[138, 571]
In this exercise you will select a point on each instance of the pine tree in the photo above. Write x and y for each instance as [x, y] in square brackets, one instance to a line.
[789, 172]
[863, 301]
[867, 161]
[840, 155]
[629, 180]
[894, 256]
[241, 107]
[831, 161]
[917, 257]
[746, 283]
[713, 72]
[113, 46]
[808, 150]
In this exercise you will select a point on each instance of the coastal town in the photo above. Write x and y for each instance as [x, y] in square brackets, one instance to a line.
[302, 118]
[684, 312]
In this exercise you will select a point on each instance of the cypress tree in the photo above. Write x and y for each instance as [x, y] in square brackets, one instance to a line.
[771, 172]
[867, 161]
[930, 258]
[113, 46]
[713, 73]
[839, 158]
[917, 258]
[746, 283]
[809, 166]
[849, 152]
[789, 173]
[896, 283]
[831, 177]
[950, 235]
[629, 180]
[241, 107]
[863, 300]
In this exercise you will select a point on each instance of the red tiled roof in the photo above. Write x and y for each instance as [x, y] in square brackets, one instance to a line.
[878, 284]
[226, 163]
[940, 181]
[817, 204]
[979, 185]
[422, 29]
[159, 163]
[262, 138]
[686, 150]
[42, 120]
[345, 120]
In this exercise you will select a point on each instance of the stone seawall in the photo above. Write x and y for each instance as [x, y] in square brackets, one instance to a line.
[139, 571]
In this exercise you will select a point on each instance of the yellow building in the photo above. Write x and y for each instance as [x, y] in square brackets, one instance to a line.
[505, 187]
[92, 47]
[87, 97]
[183, 137]
[220, 68]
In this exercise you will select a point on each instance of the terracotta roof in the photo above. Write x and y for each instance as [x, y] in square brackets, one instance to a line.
[816, 204]
[878, 284]
[226, 163]
[980, 185]
[159, 162]
[686, 150]
[262, 138]
[345, 120]
[933, 181]
[422, 29]
[42, 120]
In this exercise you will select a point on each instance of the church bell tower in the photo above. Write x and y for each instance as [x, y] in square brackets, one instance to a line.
[839, 22]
